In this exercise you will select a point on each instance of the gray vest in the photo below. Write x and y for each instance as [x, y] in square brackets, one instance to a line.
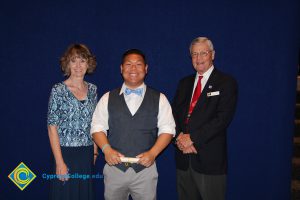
[132, 135]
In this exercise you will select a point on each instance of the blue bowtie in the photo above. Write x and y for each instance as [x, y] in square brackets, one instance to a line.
[138, 91]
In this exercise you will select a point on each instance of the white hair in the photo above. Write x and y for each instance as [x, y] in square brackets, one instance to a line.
[202, 40]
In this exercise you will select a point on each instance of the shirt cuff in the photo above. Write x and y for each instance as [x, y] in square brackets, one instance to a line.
[96, 129]
[167, 131]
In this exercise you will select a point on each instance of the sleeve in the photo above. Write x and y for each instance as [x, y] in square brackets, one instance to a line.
[176, 111]
[95, 97]
[165, 120]
[100, 116]
[53, 108]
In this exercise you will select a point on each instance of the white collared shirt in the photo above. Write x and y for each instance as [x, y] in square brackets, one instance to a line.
[204, 80]
[133, 101]
[165, 120]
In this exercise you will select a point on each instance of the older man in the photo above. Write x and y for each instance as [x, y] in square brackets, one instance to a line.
[203, 108]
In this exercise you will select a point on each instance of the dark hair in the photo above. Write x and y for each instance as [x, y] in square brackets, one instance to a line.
[82, 51]
[134, 51]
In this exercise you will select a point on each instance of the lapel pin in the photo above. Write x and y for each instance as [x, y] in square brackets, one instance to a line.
[210, 86]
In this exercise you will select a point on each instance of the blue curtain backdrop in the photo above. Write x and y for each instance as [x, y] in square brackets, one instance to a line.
[255, 41]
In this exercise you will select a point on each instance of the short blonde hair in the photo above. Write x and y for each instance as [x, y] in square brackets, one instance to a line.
[82, 51]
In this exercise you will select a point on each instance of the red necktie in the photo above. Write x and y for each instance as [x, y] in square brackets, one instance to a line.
[195, 98]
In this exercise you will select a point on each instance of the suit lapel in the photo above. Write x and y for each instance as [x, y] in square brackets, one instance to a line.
[189, 93]
[190, 90]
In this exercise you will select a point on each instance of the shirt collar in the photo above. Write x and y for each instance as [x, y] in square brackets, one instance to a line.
[206, 74]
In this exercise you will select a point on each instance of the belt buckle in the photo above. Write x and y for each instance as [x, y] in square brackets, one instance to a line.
[127, 164]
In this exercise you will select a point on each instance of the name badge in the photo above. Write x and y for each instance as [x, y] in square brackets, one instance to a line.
[210, 94]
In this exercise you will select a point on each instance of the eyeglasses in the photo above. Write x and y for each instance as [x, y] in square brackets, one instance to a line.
[201, 54]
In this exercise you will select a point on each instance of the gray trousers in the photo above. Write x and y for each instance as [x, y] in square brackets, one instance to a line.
[119, 185]
[192, 185]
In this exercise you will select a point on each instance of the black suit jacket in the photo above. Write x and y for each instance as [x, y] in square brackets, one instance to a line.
[208, 122]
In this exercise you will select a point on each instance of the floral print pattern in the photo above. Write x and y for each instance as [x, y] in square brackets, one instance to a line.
[71, 116]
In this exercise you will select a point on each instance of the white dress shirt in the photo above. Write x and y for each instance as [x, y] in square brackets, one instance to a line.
[204, 80]
[165, 120]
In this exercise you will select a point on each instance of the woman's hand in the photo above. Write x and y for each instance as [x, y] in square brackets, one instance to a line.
[62, 171]
[95, 157]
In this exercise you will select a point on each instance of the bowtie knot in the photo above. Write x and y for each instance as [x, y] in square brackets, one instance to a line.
[138, 91]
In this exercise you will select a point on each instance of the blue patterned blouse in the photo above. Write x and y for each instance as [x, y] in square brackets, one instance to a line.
[71, 116]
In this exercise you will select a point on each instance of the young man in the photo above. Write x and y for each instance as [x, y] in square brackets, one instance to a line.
[133, 121]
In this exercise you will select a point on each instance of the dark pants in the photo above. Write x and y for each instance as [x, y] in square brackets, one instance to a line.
[192, 185]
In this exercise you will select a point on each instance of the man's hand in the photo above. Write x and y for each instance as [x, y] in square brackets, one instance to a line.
[112, 157]
[183, 141]
[185, 144]
[190, 149]
[147, 158]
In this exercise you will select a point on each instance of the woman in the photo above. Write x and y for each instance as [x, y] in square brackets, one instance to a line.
[71, 106]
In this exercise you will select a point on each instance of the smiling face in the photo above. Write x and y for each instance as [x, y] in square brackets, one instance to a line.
[133, 70]
[78, 66]
[202, 57]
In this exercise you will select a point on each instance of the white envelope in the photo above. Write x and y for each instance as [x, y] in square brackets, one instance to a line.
[210, 94]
